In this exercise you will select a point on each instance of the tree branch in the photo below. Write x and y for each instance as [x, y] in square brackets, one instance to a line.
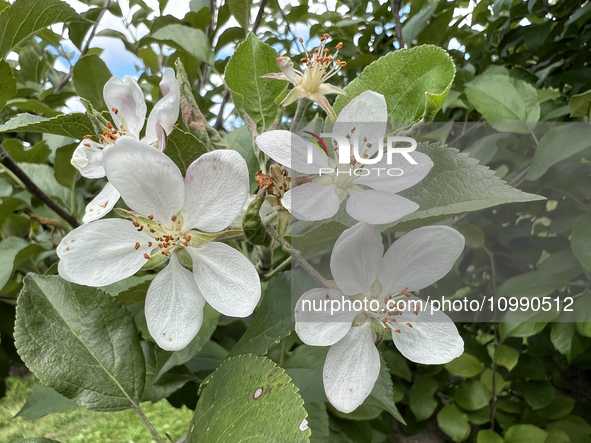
[12, 166]
[66, 78]
[397, 26]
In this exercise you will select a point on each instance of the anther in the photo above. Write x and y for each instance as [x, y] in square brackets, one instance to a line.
[408, 324]
[87, 145]
[140, 228]
[150, 217]
[136, 224]
[339, 45]
[397, 331]
[115, 111]
[87, 136]
[173, 218]
[137, 246]
[149, 244]
[166, 253]
[152, 230]
[146, 256]
[301, 40]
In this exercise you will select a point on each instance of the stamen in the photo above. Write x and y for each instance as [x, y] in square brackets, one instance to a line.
[150, 217]
[115, 111]
[397, 331]
[149, 244]
[166, 253]
[136, 224]
[141, 228]
[87, 136]
[146, 256]
[137, 246]
[173, 218]
[409, 325]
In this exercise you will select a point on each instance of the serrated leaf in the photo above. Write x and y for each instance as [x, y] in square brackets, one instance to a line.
[184, 148]
[253, 95]
[415, 82]
[507, 103]
[37, 154]
[193, 41]
[42, 401]
[62, 327]
[75, 125]
[90, 75]
[7, 82]
[272, 321]
[25, 17]
[257, 391]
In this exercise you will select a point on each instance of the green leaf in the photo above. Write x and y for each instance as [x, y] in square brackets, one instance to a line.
[25, 17]
[566, 340]
[43, 177]
[559, 143]
[13, 251]
[538, 394]
[576, 427]
[472, 395]
[184, 148]
[582, 308]
[90, 75]
[581, 240]
[415, 24]
[531, 284]
[559, 407]
[37, 154]
[240, 9]
[253, 95]
[240, 140]
[249, 397]
[7, 82]
[80, 342]
[254, 229]
[304, 366]
[415, 82]
[193, 41]
[42, 401]
[466, 365]
[272, 321]
[37, 440]
[525, 434]
[75, 125]
[454, 423]
[580, 105]
[487, 380]
[382, 394]
[64, 172]
[488, 436]
[420, 397]
[318, 422]
[473, 234]
[506, 356]
[520, 329]
[505, 102]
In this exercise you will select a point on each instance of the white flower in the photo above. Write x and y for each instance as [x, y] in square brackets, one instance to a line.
[371, 198]
[311, 83]
[167, 211]
[127, 106]
[363, 272]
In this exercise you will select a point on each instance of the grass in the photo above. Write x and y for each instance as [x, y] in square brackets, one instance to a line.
[84, 426]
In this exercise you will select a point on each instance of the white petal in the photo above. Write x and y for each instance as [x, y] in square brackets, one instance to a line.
[327, 88]
[127, 98]
[88, 159]
[318, 321]
[286, 66]
[420, 258]
[101, 204]
[226, 278]
[174, 307]
[412, 175]
[149, 182]
[351, 369]
[356, 259]
[296, 93]
[291, 151]
[312, 201]
[102, 252]
[431, 340]
[378, 207]
[368, 107]
[286, 201]
[166, 111]
[216, 189]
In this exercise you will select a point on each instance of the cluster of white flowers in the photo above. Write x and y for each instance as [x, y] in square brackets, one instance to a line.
[173, 218]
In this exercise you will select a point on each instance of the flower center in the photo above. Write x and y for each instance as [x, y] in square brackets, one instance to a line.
[320, 65]
[111, 134]
[390, 307]
[165, 238]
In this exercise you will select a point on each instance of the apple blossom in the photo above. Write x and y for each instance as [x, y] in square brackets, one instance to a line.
[311, 83]
[363, 272]
[127, 106]
[176, 219]
[371, 198]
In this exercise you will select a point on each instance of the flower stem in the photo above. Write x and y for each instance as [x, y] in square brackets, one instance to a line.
[302, 105]
[148, 424]
[297, 255]
[277, 270]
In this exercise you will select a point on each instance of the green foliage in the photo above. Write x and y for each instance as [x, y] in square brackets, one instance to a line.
[90, 76]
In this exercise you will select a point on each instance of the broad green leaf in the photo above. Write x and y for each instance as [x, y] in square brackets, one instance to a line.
[240, 9]
[487, 380]
[488, 436]
[36, 440]
[560, 406]
[556, 435]
[525, 434]
[25, 17]
[7, 82]
[169, 382]
[253, 95]
[582, 308]
[37, 154]
[254, 229]
[466, 365]
[42, 401]
[13, 251]
[506, 356]
[420, 397]
[240, 140]
[304, 366]
[272, 321]
[75, 125]
[507, 103]
[415, 24]
[580, 105]
[184, 148]
[454, 423]
[531, 284]
[414, 82]
[382, 394]
[193, 41]
[559, 143]
[249, 397]
[64, 172]
[538, 394]
[566, 340]
[578, 430]
[472, 395]
[318, 422]
[62, 327]
[581, 240]
[473, 234]
[524, 327]
[90, 76]
[43, 177]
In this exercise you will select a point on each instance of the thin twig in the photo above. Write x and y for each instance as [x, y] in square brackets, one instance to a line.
[45, 220]
[259, 16]
[148, 424]
[516, 181]
[219, 121]
[297, 255]
[277, 270]
[84, 49]
[12, 166]
[397, 26]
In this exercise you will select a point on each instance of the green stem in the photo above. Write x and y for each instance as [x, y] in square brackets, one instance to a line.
[278, 269]
[148, 424]
[302, 105]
